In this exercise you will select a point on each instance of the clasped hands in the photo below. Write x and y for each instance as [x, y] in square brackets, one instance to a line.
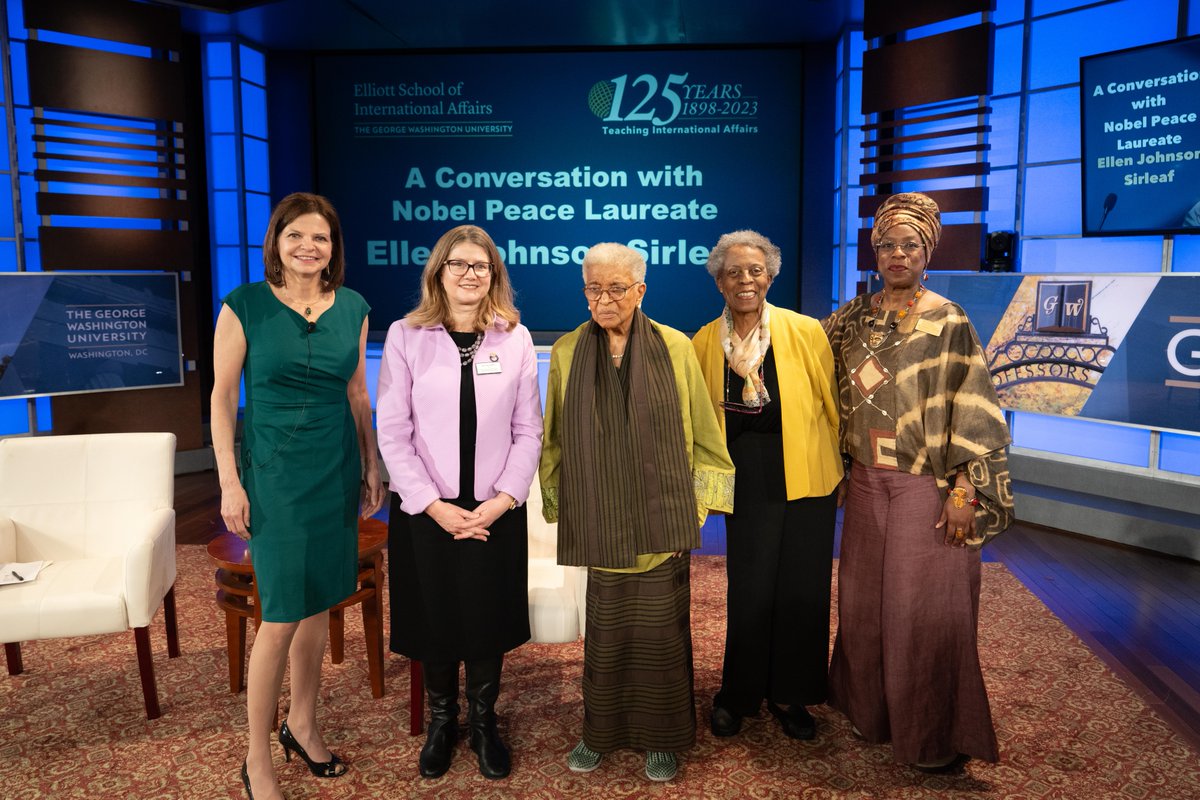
[462, 523]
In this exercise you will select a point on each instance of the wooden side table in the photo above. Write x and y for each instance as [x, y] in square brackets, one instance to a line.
[237, 595]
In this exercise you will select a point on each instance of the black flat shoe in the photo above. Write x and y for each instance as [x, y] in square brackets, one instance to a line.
[333, 768]
[796, 721]
[724, 722]
[246, 781]
[953, 767]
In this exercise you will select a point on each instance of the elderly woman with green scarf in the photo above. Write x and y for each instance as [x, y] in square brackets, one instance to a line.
[928, 487]
[632, 461]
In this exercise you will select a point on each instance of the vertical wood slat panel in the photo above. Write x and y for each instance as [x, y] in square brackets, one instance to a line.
[88, 81]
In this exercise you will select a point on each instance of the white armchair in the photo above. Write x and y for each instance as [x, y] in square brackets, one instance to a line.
[101, 508]
[556, 594]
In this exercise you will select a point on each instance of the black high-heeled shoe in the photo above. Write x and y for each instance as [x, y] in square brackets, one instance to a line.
[246, 781]
[333, 768]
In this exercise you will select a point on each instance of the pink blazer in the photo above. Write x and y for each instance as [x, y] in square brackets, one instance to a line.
[417, 414]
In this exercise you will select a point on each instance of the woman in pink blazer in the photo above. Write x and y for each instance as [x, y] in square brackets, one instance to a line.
[460, 426]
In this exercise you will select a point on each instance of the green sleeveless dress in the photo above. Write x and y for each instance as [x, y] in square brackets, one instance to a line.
[300, 458]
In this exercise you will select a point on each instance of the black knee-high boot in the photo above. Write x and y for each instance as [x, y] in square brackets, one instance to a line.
[483, 687]
[441, 685]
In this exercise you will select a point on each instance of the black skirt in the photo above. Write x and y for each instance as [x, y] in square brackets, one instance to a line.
[457, 600]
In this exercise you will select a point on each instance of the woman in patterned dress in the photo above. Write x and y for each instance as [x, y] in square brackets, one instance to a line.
[928, 486]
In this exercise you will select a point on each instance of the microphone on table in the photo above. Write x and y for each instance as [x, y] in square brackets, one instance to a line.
[1109, 203]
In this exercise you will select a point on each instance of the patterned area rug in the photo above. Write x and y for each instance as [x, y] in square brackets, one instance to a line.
[73, 725]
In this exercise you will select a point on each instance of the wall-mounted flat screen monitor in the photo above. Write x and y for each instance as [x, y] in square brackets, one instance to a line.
[552, 152]
[69, 333]
[1141, 139]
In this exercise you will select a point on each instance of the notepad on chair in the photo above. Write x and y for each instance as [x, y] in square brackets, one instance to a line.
[20, 571]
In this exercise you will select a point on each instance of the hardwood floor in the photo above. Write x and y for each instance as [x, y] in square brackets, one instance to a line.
[1139, 612]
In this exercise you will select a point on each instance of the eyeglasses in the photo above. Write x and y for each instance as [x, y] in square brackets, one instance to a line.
[736, 273]
[459, 268]
[909, 248]
[615, 293]
[740, 408]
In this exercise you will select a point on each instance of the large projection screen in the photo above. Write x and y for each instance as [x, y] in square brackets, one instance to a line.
[1141, 139]
[554, 152]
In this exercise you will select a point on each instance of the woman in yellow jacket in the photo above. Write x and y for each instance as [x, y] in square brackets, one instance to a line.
[770, 376]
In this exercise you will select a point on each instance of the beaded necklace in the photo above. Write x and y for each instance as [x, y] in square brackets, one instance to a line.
[876, 338]
[465, 354]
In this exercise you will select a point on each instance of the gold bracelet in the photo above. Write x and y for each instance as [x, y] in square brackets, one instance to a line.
[958, 495]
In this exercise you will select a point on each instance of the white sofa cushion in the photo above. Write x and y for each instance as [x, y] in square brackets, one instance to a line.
[69, 598]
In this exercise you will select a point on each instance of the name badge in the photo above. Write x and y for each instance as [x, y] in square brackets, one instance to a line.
[487, 367]
[930, 327]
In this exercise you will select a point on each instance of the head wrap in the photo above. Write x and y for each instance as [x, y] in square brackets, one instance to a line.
[909, 208]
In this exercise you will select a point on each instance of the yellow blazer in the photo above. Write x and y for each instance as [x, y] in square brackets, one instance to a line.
[807, 397]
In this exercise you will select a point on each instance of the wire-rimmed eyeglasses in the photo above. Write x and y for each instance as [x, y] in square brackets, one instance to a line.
[615, 293]
[909, 248]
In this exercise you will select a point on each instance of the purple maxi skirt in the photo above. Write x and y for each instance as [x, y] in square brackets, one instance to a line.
[905, 665]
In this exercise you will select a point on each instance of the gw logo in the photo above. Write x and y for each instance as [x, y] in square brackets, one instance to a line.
[1185, 345]
[1070, 308]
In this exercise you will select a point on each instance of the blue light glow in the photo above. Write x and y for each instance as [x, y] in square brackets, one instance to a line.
[218, 59]
[252, 64]
[226, 218]
[1057, 43]
[256, 163]
[1055, 117]
[1052, 200]
[222, 155]
[221, 107]
[72, 40]
[1178, 452]
[1083, 438]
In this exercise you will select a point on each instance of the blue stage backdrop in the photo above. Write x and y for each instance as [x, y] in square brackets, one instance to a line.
[67, 333]
[554, 152]
[1141, 139]
[1118, 348]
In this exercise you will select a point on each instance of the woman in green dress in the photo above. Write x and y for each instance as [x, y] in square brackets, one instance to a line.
[308, 460]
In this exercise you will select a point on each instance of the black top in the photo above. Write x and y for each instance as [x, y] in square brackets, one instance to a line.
[467, 423]
[756, 442]
[770, 420]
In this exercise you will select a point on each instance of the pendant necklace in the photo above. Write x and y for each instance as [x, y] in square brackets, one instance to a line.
[307, 306]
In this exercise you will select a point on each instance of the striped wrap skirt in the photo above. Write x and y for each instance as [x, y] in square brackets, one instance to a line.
[637, 660]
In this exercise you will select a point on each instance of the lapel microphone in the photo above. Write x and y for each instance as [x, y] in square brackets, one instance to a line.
[312, 326]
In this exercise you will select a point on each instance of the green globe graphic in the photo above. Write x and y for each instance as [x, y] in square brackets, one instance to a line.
[600, 98]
